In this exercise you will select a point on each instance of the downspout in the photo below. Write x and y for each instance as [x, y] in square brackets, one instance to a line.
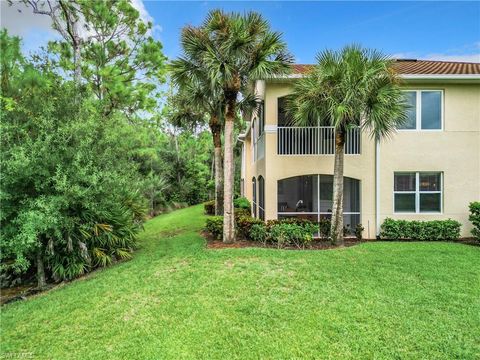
[243, 167]
[377, 187]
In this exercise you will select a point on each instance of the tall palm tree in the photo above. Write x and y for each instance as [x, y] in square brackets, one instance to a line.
[232, 49]
[349, 88]
[195, 102]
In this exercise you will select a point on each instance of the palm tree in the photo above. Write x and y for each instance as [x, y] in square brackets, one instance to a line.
[195, 102]
[349, 88]
[233, 50]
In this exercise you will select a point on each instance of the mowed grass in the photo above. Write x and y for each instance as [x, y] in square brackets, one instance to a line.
[177, 300]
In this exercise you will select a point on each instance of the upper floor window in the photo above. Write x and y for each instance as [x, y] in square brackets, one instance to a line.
[418, 192]
[425, 110]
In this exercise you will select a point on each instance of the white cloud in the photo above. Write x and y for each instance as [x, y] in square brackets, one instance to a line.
[20, 20]
[144, 15]
[36, 30]
[464, 58]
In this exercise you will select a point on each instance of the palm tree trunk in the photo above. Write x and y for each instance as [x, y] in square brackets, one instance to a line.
[336, 229]
[216, 130]
[228, 168]
[41, 282]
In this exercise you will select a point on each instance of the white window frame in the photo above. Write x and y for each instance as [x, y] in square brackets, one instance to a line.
[418, 110]
[418, 192]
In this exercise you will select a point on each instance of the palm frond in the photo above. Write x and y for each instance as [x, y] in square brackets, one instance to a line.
[351, 87]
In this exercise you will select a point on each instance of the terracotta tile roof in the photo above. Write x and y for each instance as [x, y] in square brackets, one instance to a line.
[419, 67]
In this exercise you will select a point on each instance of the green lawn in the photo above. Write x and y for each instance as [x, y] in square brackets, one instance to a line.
[177, 300]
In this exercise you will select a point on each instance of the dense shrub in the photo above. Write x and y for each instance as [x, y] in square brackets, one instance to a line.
[239, 212]
[420, 230]
[258, 232]
[324, 228]
[214, 226]
[241, 203]
[285, 232]
[358, 232]
[244, 224]
[475, 218]
[292, 220]
[291, 234]
[209, 207]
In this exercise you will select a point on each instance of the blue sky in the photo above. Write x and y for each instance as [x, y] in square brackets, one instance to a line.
[424, 30]
[407, 29]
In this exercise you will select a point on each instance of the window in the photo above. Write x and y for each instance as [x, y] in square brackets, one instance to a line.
[425, 110]
[411, 100]
[261, 198]
[418, 192]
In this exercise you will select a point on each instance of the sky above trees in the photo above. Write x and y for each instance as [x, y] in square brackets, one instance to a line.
[424, 30]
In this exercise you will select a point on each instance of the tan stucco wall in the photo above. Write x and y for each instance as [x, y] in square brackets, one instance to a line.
[455, 151]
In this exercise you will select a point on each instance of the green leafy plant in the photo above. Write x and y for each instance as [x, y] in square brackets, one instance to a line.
[242, 213]
[209, 207]
[214, 226]
[241, 203]
[474, 217]
[434, 230]
[258, 232]
[290, 234]
[244, 224]
[292, 220]
[358, 232]
[324, 228]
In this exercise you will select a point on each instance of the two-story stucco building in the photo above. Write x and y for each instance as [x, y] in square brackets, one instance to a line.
[429, 169]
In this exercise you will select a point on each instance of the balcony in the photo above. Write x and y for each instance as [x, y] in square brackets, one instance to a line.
[314, 140]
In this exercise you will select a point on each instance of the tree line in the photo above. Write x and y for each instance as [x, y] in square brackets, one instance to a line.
[90, 143]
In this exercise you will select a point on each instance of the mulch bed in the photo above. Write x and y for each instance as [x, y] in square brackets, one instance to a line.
[315, 245]
[468, 241]
[15, 293]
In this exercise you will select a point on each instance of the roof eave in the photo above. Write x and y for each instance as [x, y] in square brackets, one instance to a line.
[406, 77]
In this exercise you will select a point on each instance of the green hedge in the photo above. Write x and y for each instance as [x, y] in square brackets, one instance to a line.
[475, 218]
[434, 230]
[291, 234]
[244, 224]
[258, 232]
[284, 232]
[214, 226]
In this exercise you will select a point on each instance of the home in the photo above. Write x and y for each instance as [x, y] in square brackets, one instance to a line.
[429, 169]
